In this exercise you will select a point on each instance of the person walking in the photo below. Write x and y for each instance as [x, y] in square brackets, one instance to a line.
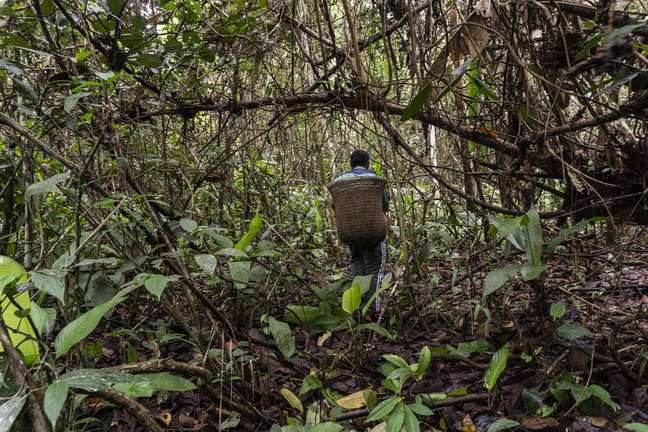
[368, 259]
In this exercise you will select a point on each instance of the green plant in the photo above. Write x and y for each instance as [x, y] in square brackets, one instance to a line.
[395, 410]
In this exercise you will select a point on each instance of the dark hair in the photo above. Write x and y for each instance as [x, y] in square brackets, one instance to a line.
[359, 158]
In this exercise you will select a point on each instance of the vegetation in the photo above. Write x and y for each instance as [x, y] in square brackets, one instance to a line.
[169, 255]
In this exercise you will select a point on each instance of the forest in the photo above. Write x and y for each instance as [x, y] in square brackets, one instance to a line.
[171, 255]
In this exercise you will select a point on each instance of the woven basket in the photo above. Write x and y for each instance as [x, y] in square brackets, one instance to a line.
[358, 204]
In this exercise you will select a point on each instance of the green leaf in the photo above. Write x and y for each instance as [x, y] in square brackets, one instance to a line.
[420, 409]
[46, 186]
[11, 67]
[497, 366]
[148, 60]
[532, 272]
[424, 361]
[502, 424]
[51, 282]
[572, 331]
[233, 252]
[311, 382]
[255, 226]
[55, 397]
[207, 263]
[116, 6]
[636, 427]
[383, 409]
[396, 419]
[325, 427]
[456, 77]
[495, 279]
[81, 327]
[165, 381]
[412, 423]
[83, 54]
[376, 328]
[292, 399]
[351, 299]
[557, 310]
[71, 101]
[468, 348]
[189, 225]
[283, 337]
[534, 230]
[156, 284]
[240, 272]
[47, 7]
[9, 412]
[603, 396]
[396, 360]
[565, 233]
[416, 103]
[43, 318]
[620, 32]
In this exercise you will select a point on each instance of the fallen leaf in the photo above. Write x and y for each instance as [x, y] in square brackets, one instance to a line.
[598, 422]
[539, 423]
[353, 401]
[467, 424]
[166, 417]
[322, 339]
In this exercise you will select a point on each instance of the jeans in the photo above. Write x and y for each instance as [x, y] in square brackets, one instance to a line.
[370, 261]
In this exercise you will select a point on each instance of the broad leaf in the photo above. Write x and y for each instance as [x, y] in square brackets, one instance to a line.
[325, 427]
[9, 412]
[292, 399]
[156, 284]
[255, 226]
[55, 397]
[497, 366]
[351, 298]
[240, 272]
[51, 282]
[71, 101]
[383, 409]
[233, 252]
[417, 102]
[396, 419]
[502, 424]
[81, 327]
[495, 279]
[412, 423]
[636, 427]
[283, 337]
[43, 318]
[48, 185]
[572, 331]
[116, 6]
[396, 360]
[424, 361]
[188, 225]
[534, 231]
[557, 310]
[207, 263]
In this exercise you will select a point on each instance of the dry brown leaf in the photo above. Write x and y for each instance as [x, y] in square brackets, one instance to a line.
[166, 417]
[467, 424]
[322, 339]
[539, 423]
[598, 422]
[353, 401]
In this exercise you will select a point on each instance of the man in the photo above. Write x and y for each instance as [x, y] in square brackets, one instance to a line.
[370, 260]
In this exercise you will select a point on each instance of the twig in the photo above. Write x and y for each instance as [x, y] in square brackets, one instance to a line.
[133, 407]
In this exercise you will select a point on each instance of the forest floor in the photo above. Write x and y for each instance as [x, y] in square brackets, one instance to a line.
[601, 290]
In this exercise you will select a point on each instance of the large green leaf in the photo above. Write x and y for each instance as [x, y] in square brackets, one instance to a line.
[240, 272]
[417, 102]
[424, 361]
[207, 263]
[497, 366]
[157, 283]
[55, 397]
[255, 226]
[383, 409]
[534, 231]
[636, 427]
[81, 327]
[9, 412]
[502, 424]
[572, 331]
[396, 418]
[48, 185]
[325, 427]
[495, 279]
[282, 335]
[116, 6]
[412, 423]
[43, 318]
[51, 282]
[351, 298]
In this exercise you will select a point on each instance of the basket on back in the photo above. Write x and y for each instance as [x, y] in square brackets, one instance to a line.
[358, 204]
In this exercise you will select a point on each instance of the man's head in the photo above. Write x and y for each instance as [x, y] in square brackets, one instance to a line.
[359, 158]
